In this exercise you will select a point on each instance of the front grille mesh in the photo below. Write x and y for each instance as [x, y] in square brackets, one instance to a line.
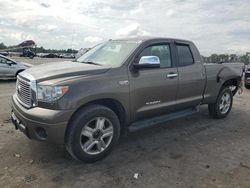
[23, 91]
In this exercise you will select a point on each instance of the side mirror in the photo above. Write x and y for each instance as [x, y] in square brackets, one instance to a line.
[9, 63]
[148, 62]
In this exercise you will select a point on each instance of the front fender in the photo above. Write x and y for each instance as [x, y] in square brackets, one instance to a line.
[86, 90]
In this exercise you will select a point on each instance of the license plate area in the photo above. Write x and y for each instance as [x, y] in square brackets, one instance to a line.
[18, 124]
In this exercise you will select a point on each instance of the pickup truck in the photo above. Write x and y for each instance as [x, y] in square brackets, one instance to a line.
[119, 86]
[247, 77]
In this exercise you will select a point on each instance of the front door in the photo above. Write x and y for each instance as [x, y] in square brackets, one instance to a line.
[153, 90]
[4, 67]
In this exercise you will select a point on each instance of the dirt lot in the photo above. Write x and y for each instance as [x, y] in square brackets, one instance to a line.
[196, 151]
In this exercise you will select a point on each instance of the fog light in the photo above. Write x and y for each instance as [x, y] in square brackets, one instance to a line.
[41, 133]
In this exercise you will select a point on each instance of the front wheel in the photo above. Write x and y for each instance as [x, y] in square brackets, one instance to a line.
[92, 133]
[223, 105]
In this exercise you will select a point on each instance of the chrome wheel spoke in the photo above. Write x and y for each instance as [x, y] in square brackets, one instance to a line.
[221, 106]
[87, 131]
[225, 103]
[107, 132]
[227, 98]
[222, 99]
[89, 145]
[226, 106]
[100, 123]
[101, 145]
[98, 145]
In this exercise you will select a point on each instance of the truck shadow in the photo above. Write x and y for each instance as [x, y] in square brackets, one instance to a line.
[157, 146]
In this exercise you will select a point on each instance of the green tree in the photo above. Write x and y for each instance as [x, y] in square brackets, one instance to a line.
[233, 57]
[2, 46]
[245, 58]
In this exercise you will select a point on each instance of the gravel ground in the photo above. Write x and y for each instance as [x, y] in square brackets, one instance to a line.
[195, 151]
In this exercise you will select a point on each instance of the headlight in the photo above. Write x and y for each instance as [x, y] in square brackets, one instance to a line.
[50, 93]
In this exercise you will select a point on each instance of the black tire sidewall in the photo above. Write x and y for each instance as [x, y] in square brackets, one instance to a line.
[218, 112]
[80, 120]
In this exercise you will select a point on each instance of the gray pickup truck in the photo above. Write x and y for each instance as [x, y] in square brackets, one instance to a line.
[119, 86]
[247, 77]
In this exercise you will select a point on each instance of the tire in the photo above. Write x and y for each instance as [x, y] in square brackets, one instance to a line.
[85, 137]
[215, 109]
[247, 86]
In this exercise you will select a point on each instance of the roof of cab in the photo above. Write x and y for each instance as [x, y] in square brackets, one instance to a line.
[144, 39]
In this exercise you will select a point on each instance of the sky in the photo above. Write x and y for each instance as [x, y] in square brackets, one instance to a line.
[215, 26]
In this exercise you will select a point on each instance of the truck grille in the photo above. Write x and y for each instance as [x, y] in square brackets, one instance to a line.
[23, 91]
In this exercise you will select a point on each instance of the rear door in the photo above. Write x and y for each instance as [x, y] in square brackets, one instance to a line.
[153, 90]
[191, 75]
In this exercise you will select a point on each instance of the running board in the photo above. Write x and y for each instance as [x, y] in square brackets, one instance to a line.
[161, 119]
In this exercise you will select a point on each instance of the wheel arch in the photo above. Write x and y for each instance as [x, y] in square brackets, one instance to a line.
[232, 82]
[17, 72]
[110, 103]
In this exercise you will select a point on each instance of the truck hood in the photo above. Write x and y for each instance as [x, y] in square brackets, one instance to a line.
[64, 69]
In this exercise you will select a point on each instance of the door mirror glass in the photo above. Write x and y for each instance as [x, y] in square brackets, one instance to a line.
[152, 60]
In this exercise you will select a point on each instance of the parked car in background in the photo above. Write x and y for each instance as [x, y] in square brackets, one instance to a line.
[67, 56]
[10, 68]
[247, 77]
[50, 55]
[28, 53]
[4, 53]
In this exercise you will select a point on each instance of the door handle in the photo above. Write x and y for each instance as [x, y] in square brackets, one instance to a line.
[172, 75]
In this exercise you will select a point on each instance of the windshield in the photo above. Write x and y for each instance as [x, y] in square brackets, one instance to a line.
[111, 53]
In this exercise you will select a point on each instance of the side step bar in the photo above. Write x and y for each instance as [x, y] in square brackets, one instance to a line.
[161, 119]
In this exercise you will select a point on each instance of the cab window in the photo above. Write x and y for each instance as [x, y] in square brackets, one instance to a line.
[162, 51]
[184, 55]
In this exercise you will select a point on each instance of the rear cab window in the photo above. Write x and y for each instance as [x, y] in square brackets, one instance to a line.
[185, 56]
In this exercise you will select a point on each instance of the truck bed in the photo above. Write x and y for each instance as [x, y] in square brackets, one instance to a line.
[216, 75]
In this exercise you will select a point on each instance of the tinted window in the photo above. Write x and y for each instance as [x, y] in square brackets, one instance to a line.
[162, 51]
[184, 55]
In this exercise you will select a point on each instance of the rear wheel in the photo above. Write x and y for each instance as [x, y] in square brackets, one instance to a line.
[222, 107]
[247, 86]
[92, 133]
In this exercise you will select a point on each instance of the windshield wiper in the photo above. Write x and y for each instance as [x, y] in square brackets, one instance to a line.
[90, 62]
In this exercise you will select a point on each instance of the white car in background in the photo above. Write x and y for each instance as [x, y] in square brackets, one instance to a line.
[10, 68]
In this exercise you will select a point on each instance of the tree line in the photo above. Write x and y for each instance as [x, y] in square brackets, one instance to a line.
[228, 58]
